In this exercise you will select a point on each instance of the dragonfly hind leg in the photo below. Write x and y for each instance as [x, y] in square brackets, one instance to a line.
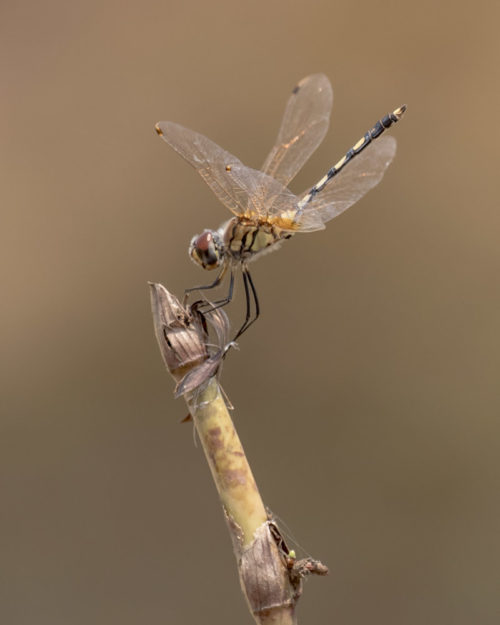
[249, 289]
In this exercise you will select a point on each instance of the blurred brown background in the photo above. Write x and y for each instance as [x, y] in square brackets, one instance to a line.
[366, 395]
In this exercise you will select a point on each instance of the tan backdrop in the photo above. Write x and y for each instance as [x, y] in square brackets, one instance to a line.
[367, 394]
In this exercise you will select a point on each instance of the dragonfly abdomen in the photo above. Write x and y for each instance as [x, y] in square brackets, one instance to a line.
[383, 124]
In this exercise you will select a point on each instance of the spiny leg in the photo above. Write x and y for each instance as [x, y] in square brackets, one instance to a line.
[222, 302]
[255, 299]
[203, 287]
[219, 303]
[248, 282]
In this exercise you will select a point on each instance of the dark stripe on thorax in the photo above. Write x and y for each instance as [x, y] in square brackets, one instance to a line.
[254, 235]
[231, 238]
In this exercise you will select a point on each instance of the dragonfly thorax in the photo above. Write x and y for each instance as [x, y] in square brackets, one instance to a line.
[207, 249]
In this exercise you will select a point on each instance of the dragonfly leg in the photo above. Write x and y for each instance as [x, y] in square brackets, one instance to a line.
[215, 283]
[219, 303]
[250, 292]
[222, 302]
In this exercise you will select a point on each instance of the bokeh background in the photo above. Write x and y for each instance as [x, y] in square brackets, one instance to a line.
[367, 394]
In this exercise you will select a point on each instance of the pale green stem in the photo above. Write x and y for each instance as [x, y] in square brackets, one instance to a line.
[227, 461]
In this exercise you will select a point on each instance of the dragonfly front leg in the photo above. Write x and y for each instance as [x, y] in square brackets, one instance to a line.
[202, 287]
[219, 303]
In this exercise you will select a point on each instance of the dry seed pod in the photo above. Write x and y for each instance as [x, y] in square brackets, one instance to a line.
[183, 338]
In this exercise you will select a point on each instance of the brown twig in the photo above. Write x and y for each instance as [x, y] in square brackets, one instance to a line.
[270, 576]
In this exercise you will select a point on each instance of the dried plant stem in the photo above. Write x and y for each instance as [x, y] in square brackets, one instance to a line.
[270, 576]
[227, 461]
[264, 578]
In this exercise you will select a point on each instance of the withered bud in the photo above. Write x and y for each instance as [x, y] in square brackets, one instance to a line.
[183, 338]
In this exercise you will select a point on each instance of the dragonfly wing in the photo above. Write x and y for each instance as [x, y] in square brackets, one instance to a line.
[359, 176]
[310, 221]
[304, 125]
[209, 160]
[243, 190]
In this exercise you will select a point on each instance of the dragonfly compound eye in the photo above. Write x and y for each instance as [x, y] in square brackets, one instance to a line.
[206, 249]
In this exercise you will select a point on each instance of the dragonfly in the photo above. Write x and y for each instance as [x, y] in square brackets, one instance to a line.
[265, 211]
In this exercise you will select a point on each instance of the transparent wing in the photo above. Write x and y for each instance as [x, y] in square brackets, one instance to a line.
[243, 190]
[359, 176]
[304, 125]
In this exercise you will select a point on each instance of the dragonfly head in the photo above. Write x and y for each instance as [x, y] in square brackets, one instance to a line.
[207, 249]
